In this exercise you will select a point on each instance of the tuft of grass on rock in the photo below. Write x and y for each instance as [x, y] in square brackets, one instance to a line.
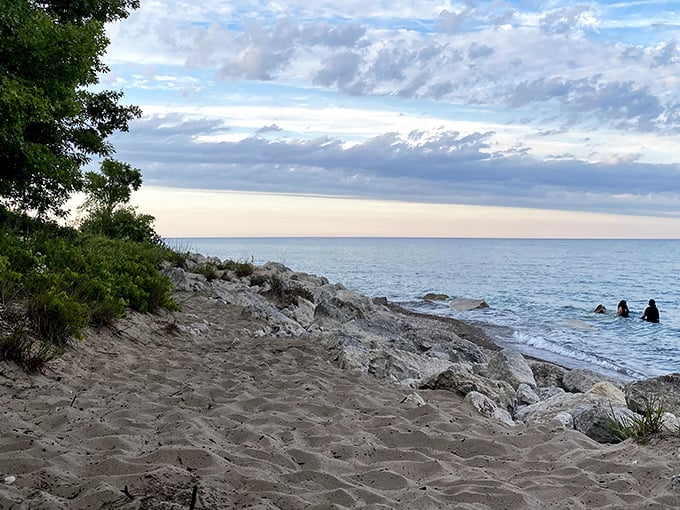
[639, 427]
[209, 271]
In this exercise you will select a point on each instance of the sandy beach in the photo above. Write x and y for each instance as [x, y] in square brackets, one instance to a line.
[199, 409]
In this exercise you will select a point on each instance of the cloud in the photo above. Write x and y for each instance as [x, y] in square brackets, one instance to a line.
[568, 20]
[541, 103]
[341, 36]
[428, 166]
[268, 129]
[625, 104]
[340, 69]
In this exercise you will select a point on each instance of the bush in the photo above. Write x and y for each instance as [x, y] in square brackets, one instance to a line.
[57, 316]
[123, 223]
[67, 280]
[209, 271]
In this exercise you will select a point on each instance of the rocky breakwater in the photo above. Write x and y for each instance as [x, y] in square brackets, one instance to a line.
[429, 353]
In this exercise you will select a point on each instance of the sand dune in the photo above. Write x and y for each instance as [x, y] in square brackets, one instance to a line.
[143, 415]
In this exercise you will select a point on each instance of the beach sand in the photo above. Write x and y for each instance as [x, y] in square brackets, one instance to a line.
[160, 409]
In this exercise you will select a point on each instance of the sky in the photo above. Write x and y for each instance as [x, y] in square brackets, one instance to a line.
[407, 117]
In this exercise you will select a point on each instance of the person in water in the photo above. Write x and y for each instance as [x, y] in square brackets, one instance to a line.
[622, 309]
[651, 312]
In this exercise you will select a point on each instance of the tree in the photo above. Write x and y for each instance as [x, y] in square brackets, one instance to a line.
[107, 205]
[51, 123]
[111, 187]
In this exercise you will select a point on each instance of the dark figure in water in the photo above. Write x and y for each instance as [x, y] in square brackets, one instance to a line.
[622, 309]
[651, 312]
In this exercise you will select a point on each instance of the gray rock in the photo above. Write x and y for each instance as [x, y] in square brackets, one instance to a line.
[607, 389]
[580, 380]
[326, 310]
[486, 407]
[547, 374]
[595, 421]
[468, 304]
[591, 413]
[565, 419]
[384, 365]
[664, 390]
[549, 391]
[458, 379]
[184, 281]
[352, 304]
[303, 313]
[526, 395]
[433, 296]
[675, 482]
[670, 423]
[509, 365]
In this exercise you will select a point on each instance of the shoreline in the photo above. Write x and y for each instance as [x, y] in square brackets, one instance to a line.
[255, 396]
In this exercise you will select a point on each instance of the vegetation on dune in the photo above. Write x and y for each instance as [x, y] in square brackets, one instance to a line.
[56, 280]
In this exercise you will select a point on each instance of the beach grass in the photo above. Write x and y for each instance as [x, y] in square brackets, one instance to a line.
[640, 427]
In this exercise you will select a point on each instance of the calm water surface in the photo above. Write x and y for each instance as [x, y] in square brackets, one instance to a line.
[541, 292]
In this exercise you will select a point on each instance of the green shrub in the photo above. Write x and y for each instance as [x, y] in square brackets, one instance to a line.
[9, 281]
[639, 427]
[258, 280]
[123, 223]
[68, 280]
[57, 316]
[244, 269]
[209, 271]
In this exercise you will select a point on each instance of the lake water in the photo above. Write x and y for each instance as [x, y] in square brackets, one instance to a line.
[541, 292]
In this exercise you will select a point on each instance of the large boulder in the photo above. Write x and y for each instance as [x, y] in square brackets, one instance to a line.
[468, 304]
[326, 310]
[664, 390]
[608, 390]
[509, 365]
[580, 380]
[352, 304]
[185, 281]
[302, 313]
[460, 380]
[590, 414]
[547, 374]
[595, 421]
[385, 365]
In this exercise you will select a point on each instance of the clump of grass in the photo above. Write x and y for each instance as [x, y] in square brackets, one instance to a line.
[209, 271]
[283, 295]
[26, 351]
[258, 280]
[640, 427]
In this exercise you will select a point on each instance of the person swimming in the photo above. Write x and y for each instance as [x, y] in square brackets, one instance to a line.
[651, 312]
[622, 310]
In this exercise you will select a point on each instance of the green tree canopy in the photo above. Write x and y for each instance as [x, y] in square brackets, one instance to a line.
[51, 122]
[111, 187]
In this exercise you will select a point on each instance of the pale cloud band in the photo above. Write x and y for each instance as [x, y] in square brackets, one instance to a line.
[206, 213]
